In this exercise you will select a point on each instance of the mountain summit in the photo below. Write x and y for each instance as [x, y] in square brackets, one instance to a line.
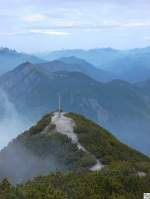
[68, 142]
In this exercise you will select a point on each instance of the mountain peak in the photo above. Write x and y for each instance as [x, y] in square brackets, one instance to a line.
[65, 126]
[26, 63]
[25, 66]
[62, 143]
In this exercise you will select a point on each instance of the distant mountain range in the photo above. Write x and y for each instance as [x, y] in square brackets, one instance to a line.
[121, 107]
[73, 64]
[130, 65]
[9, 59]
[98, 57]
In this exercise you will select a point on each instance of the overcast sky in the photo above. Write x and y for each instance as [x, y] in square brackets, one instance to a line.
[44, 25]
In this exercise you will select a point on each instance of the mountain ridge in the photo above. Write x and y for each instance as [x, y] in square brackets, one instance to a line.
[38, 92]
[122, 63]
[46, 149]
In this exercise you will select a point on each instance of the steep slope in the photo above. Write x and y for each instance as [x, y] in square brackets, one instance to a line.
[50, 146]
[34, 91]
[9, 59]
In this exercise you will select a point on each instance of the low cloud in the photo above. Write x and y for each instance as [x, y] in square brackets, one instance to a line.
[147, 38]
[36, 18]
[48, 32]
[12, 33]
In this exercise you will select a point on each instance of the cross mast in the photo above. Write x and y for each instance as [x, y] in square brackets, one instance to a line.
[59, 105]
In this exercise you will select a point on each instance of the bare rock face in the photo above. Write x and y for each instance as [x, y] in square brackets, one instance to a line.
[65, 125]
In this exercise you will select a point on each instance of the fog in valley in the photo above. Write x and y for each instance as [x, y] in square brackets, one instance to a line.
[27, 163]
[11, 123]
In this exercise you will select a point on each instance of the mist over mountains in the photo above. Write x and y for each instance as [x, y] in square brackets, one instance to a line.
[130, 65]
[119, 106]
[11, 122]
[74, 64]
[100, 94]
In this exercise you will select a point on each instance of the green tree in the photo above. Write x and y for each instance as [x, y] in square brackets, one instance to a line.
[7, 191]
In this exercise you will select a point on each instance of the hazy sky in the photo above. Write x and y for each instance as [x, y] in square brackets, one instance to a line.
[41, 25]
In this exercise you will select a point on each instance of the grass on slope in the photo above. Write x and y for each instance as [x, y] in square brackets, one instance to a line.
[102, 144]
[52, 142]
[116, 181]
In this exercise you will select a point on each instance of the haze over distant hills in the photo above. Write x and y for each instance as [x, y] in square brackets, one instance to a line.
[97, 56]
[131, 65]
[73, 64]
[119, 106]
[11, 58]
